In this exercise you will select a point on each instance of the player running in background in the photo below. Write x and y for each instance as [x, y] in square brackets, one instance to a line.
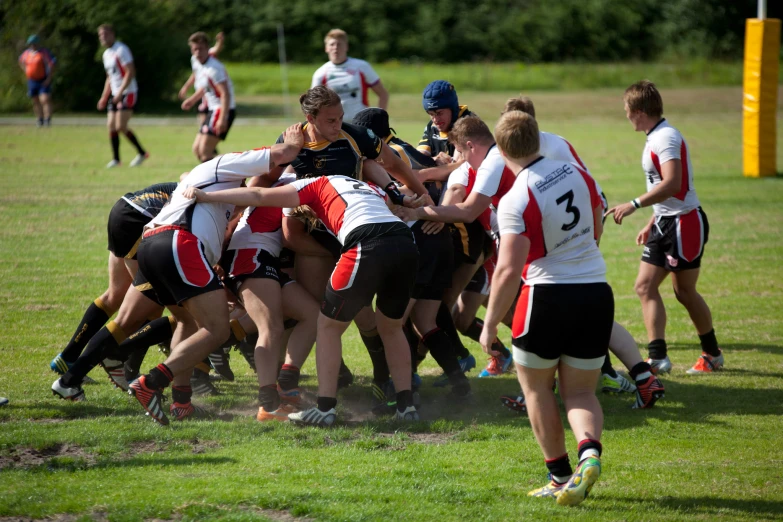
[38, 64]
[120, 94]
[203, 108]
[549, 223]
[212, 81]
[350, 78]
[675, 236]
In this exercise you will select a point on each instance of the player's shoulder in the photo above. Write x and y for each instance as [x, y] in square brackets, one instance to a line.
[359, 133]
[322, 69]
[358, 63]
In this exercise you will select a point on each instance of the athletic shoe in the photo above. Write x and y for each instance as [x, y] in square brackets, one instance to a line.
[660, 365]
[165, 348]
[498, 365]
[648, 392]
[551, 490]
[466, 364]
[75, 394]
[409, 415]
[149, 399]
[219, 361]
[201, 384]
[707, 364]
[581, 482]
[116, 372]
[181, 412]
[60, 366]
[515, 403]
[247, 347]
[3, 401]
[617, 384]
[280, 414]
[113, 163]
[314, 417]
[384, 399]
[345, 377]
[292, 397]
[139, 159]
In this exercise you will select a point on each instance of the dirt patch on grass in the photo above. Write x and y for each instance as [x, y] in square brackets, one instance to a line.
[57, 455]
[424, 438]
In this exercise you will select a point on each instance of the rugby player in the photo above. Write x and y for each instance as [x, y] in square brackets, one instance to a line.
[120, 94]
[350, 78]
[549, 225]
[203, 108]
[675, 236]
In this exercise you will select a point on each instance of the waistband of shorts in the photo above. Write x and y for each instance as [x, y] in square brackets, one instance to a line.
[158, 230]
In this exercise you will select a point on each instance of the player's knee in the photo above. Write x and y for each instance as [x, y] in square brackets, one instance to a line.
[219, 330]
[685, 295]
[643, 287]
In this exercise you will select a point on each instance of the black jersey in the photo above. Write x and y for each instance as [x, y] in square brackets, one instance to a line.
[342, 157]
[416, 161]
[150, 200]
[434, 141]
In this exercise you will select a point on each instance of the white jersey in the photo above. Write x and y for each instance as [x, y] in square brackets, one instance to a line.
[557, 148]
[115, 60]
[261, 227]
[665, 143]
[208, 221]
[344, 204]
[208, 75]
[351, 80]
[551, 203]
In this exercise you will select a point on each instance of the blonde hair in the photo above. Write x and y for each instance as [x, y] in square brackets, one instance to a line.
[644, 96]
[306, 215]
[470, 128]
[517, 135]
[337, 34]
[520, 103]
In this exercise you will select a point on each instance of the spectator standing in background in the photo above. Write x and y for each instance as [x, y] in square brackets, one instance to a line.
[38, 65]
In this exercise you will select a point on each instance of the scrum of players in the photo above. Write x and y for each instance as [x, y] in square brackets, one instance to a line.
[277, 250]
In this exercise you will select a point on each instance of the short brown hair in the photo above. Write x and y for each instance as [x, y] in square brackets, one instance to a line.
[517, 134]
[644, 96]
[470, 128]
[520, 103]
[317, 98]
[199, 38]
[337, 34]
[107, 27]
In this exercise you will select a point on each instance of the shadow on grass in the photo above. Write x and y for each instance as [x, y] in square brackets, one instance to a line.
[728, 348]
[713, 506]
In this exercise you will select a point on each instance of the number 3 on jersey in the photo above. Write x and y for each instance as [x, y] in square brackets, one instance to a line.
[568, 199]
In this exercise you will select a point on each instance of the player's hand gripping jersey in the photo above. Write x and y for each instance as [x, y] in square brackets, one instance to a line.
[552, 204]
[665, 143]
[115, 60]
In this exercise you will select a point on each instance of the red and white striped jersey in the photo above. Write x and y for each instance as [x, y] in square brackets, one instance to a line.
[261, 227]
[343, 204]
[208, 75]
[350, 80]
[208, 221]
[115, 60]
[665, 143]
[551, 203]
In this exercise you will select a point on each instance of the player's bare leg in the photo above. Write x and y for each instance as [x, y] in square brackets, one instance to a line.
[684, 284]
[206, 147]
[462, 276]
[114, 138]
[123, 117]
[542, 408]
[298, 304]
[37, 109]
[647, 287]
[328, 353]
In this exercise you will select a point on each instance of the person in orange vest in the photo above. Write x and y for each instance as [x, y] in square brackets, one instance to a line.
[38, 63]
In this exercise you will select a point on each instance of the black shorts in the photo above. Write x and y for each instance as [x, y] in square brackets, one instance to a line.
[677, 242]
[172, 263]
[287, 259]
[568, 322]
[384, 266]
[212, 118]
[251, 263]
[124, 228]
[470, 241]
[128, 103]
[436, 263]
[327, 240]
[479, 283]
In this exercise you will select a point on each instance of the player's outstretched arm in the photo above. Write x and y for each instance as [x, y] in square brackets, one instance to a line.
[282, 197]
[399, 169]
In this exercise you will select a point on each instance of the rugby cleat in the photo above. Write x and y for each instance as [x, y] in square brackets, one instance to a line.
[280, 414]
[201, 383]
[60, 366]
[707, 364]
[219, 361]
[581, 482]
[112, 164]
[149, 399]
[551, 490]
[292, 397]
[314, 417]
[181, 412]
[498, 365]
[648, 392]
[514, 403]
[75, 394]
[3, 401]
[139, 159]
[116, 372]
[247, 347]
[466, 364]
[409, 415]
[617, 384]
[660, 365]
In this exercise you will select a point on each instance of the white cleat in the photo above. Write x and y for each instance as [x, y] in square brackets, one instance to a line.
[409, 415]
[314, 417]
[113, 163]
[139, 159]
[75, 394]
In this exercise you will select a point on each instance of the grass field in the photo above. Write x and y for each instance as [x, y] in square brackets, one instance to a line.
[709, 451]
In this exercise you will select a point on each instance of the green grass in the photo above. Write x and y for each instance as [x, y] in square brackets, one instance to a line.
[709, 451]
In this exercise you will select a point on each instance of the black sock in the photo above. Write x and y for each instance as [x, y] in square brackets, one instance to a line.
[132, 366]
[474, 329]
[181, 394]
[154, 332]
[132, 138]
[439, 345]
[380, 368]
[288, 378]
[268, 398]
[607, 367]
[413, 344]
[657, 349]
[92, 321]
[115, 144]
[106, 339]
[589, 444]
[641, 372]
[159, 377]
[404, 399]
[327, 403]
[560, 469]
[709, 344]
[445, 322]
